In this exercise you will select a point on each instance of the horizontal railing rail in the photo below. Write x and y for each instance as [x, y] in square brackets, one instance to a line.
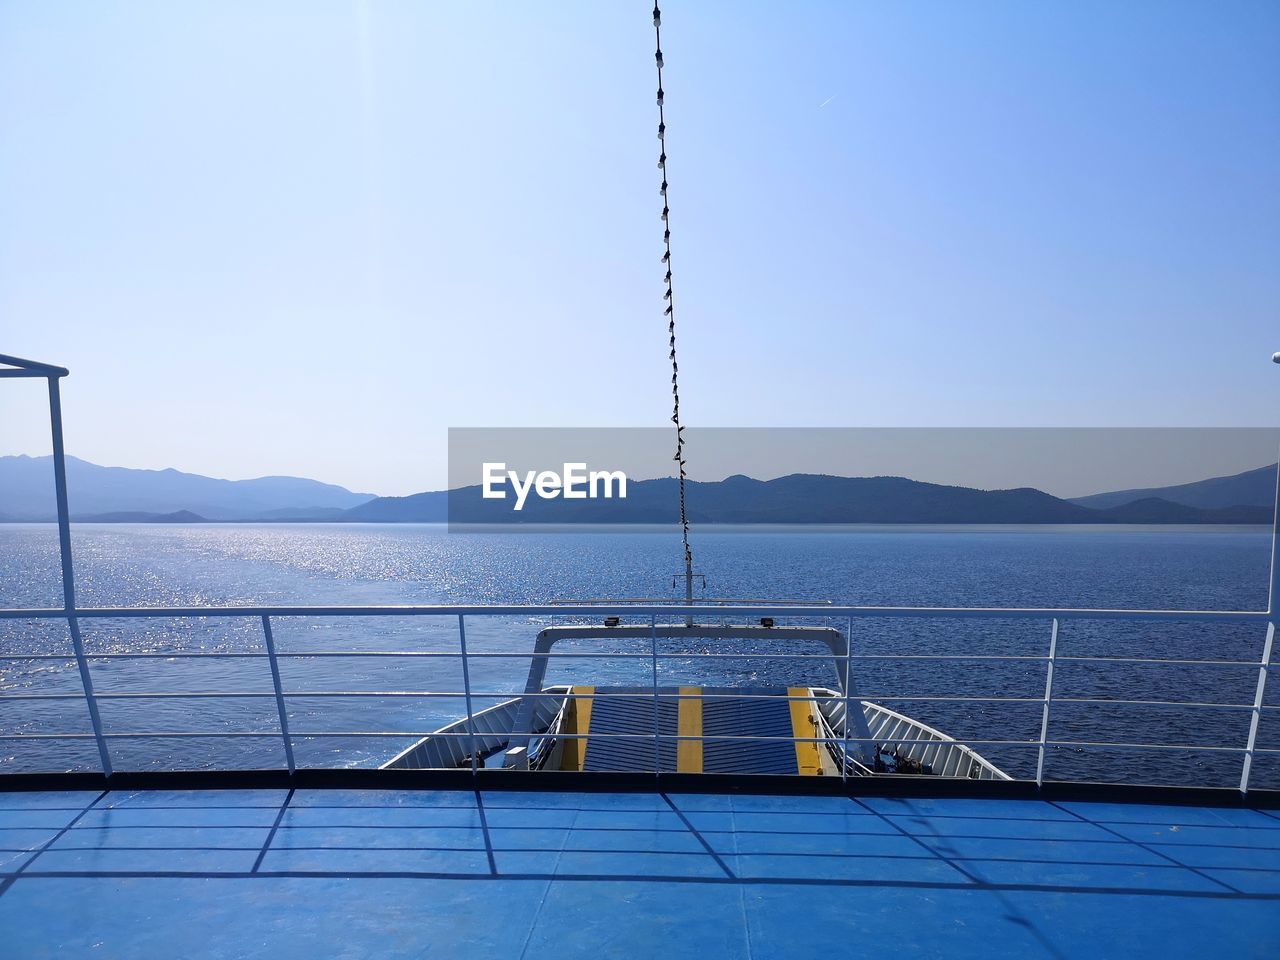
[477, 695]
[816, 611]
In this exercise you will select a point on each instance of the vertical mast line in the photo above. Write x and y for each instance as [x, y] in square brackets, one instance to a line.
[669, 312]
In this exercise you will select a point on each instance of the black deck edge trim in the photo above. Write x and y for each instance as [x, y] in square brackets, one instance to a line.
[882, 786]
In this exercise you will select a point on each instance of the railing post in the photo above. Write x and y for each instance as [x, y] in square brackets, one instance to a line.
[653, 641]
[466, 691]
[1048, 699]
[270, 642]
[1273, 610]
[844, 746]
[1273, 595]
[68, 572]
[1263, 666]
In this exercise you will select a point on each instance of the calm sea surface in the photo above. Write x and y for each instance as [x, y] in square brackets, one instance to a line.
[158, 565]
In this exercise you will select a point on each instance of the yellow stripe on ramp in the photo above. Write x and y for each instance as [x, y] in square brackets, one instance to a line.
[807, 762]
[689, 724]
[577, 720]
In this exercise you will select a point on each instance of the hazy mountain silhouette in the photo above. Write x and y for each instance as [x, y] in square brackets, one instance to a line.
[432, 507]
[1253, 488]
[135, 516]
[26, 492]
[795, 499]
[116, 494]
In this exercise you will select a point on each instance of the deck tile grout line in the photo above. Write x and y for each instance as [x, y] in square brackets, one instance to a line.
[271, 834]
[742, 890]
[1141, 845]
[484, 830]
[1224, 895]
[12, 879]
[690, 828]
[924, 846]
[551, 879]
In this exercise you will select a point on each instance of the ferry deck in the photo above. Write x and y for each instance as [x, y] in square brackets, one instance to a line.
[517, 873]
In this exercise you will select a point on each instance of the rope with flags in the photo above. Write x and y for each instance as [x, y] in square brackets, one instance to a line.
[669, 312]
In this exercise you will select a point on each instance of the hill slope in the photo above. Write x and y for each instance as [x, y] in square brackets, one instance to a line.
[799, 498]
[1253, 488]
[116, 494]
[26, 492]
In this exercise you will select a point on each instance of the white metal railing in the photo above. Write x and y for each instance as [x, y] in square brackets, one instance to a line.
[653, 615]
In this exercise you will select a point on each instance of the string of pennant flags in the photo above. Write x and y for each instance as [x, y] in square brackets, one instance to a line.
[669, 312]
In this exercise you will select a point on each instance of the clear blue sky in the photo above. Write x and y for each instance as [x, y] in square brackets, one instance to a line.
[308, 237]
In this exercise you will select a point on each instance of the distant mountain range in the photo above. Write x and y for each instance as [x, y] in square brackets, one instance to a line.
[1253, 488]
[120, 495]
[807, 499]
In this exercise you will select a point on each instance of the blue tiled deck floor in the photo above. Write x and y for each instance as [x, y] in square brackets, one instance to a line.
[324, 873]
